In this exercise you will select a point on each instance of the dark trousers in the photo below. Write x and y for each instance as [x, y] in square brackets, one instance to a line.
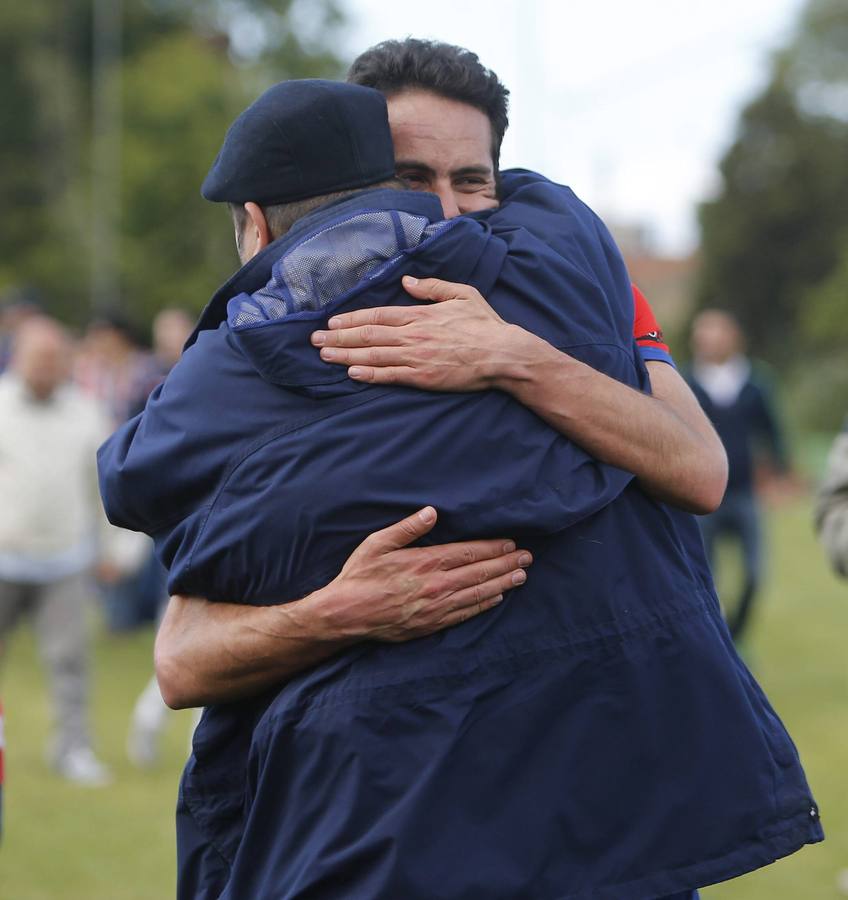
[738, 518]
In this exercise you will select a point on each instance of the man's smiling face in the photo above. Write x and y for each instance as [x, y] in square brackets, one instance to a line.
[444, 147]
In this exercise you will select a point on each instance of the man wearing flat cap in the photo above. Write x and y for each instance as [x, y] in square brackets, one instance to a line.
[495, 758]
[270, 156]
[448, 115]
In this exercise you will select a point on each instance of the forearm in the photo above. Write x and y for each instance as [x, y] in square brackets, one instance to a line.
[217, 652]
[664, 440]
[459, 343]
[386, 591]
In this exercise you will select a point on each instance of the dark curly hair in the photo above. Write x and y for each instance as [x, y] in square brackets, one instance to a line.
[444, 69]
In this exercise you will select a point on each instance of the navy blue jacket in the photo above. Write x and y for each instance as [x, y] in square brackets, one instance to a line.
[594, 736]
[750, 422]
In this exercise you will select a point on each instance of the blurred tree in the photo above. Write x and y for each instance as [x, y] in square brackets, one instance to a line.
[820, 386]
[774, 236]
[826, 306]
[42, 123]
[186, 68]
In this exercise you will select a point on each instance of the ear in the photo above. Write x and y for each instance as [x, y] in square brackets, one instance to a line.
[257, 234]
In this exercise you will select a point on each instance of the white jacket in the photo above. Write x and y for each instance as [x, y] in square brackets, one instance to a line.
[51, 518]
[832, 506]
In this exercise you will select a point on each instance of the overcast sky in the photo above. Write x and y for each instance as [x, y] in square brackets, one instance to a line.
[632, 104]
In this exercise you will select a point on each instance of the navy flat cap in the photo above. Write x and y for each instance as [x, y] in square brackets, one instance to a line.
[303, 139]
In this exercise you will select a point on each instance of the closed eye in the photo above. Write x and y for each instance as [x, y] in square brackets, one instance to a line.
[415, 180]
[471, 184]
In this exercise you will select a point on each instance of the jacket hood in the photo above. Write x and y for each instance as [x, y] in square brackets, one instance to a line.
[350, 256]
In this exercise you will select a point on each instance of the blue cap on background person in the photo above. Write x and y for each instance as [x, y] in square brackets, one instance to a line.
[302, 139]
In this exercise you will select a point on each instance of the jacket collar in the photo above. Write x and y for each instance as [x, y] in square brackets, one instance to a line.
[256, 273]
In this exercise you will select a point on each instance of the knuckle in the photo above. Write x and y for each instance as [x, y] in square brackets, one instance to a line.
[371, 540]
[408, 528]
[444, 563]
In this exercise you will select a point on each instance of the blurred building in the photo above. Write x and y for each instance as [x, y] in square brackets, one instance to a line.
[667, 281]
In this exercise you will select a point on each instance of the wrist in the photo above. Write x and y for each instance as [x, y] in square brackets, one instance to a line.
[320, 616]
[523, 361]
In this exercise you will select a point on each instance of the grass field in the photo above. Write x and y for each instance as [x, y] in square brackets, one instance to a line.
[116, 843]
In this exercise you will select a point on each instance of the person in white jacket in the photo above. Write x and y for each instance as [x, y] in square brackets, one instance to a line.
[51, 526]
[832, 505]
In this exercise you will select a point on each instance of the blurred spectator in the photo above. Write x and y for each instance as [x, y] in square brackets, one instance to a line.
[831, 517]
[114, 368]
[738, 401]
[832, 505]
[2, 770]
[16, 306]
[50, 515]
[171, 329]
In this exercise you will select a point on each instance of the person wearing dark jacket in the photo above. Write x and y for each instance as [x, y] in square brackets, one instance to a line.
[448, 116]
[739, 403]
[596, 735]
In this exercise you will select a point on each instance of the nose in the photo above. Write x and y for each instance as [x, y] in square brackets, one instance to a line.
[449, 205]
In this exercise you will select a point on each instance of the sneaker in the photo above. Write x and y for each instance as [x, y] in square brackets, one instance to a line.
[143, 745]
[81, 766]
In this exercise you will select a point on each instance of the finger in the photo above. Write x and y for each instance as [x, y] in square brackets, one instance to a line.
[366, 356]
[403, 533]
[464, 553]
[385, 374]
[360, 336]
[466, 612]
[438, 290]
[485, 570]
[466, 600]
[379, 315]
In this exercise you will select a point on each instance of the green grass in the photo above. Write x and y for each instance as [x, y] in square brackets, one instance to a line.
[117, 843]
[799, 652]
[74, 843]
